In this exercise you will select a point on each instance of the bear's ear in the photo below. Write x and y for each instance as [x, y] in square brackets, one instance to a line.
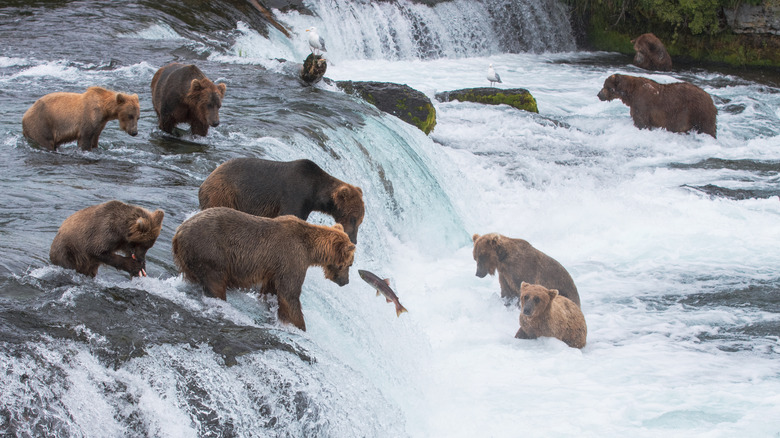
[195, 86]
[339, 227]
[120, 98]
[553, 293]
[474, 238]
[141, 225]
[221, 88]
[524, 284]
[157, 217]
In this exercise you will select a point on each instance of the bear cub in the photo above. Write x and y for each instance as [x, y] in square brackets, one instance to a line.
[221, 248]
[545, 313]
[58, 118]
[92, 236]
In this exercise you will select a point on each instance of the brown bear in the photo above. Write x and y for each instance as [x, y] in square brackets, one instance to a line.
[222, 248]
[275, 188]
[517, 261]
[183, 94]
[61, 117]
[545, 313]
[651, 53]
[95, 234]
[678, 107]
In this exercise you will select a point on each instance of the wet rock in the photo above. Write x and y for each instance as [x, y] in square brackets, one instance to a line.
[314, 67]
[519, 98]
[755, 19]
[400, 100]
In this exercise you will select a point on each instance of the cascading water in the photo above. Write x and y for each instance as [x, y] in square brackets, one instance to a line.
[671, 238]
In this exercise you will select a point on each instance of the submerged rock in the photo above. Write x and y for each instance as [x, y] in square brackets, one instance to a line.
[314, 67]
[400, 100]
[519, 98]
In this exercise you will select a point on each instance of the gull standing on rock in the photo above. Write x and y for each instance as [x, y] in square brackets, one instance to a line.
[492, 76]
[316, 43]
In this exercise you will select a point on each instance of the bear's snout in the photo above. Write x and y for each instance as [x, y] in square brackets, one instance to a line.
[527, 310]
[215, 123]
[603, 94]
[481, 273]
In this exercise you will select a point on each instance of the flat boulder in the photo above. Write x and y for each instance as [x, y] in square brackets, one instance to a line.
[400, 100]
[519, 98]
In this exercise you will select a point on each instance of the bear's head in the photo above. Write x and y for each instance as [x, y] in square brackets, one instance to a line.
[614, 88]
[142, 234]
[350, 209]
[342, 257]
[535, 299]
[128, 112]
[488, 252]
[207, 97]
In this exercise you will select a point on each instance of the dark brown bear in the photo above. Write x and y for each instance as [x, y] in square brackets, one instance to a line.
[183, 94]
[95, 234]
[651, 53]
[59, 118]
[544, 313]
[222, 248]
[678, 107]
[274, 188]
[517, 261]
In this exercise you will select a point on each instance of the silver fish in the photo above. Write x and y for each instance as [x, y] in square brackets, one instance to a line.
[382, 287]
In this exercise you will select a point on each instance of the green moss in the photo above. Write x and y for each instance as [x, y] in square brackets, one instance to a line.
[429, 123]
[524, 101]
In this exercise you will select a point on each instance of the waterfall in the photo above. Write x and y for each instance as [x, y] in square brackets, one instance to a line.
[459, 28]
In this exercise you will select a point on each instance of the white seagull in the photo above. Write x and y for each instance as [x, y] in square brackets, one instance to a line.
[316, 43]
[492, 76]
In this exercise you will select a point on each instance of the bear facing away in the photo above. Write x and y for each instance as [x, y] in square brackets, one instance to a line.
[275, 188]
[517, 261]
[61, 117]
[95, 234]
[545, 313]
[678, 107]
[221, 248]
[651, 53]
[183, 94]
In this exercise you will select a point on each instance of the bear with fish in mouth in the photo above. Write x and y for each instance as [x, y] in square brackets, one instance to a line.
[92, 236]
[183, 94]
[58, 118]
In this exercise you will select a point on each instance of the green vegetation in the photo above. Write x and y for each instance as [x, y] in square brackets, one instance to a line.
[692, 30]
[429, 123]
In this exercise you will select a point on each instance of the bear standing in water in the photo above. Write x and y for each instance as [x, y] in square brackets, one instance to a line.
[221, 248]
[183, 94]
[275, 188]
[545, 313]
[517, 261]
[651, 53]
[95, 234]
[59, 118]
[678, 107]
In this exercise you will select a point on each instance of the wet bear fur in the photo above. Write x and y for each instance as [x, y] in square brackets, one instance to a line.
[221, 248]
[677, 107]
[61, 117]
[651, 53]
[275, 188]
[93, 236]
[183, 94]
[517, 261]
[544, 313]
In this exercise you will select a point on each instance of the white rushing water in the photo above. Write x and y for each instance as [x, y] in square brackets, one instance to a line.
[577, 180]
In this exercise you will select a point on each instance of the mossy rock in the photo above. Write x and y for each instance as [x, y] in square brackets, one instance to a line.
[519, 98]
[400, 100]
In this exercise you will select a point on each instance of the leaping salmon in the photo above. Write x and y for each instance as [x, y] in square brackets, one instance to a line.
[382, 287]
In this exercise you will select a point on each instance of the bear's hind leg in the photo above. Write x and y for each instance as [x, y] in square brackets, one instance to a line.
[215, 285]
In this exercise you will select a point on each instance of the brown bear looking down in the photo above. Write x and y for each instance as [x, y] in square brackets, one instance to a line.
[678, 107]
[651, 53]
[61, 117]
[183, 94]
[95, 234]
[275, 188]
[545, 313]
[517, 261]
[221, 248]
